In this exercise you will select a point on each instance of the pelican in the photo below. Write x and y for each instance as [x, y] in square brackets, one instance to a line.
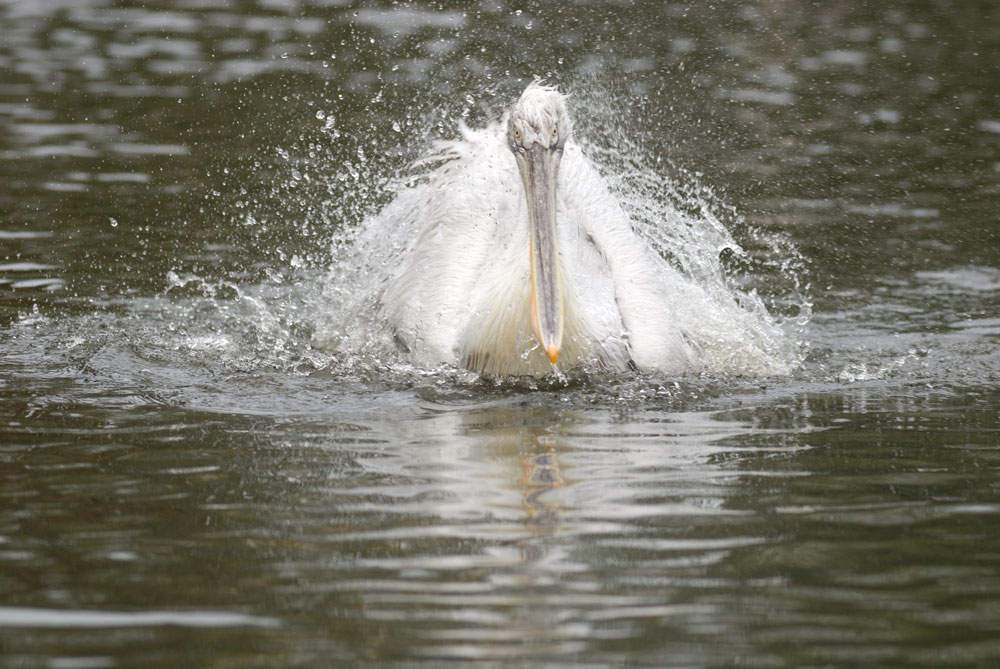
[524, 263]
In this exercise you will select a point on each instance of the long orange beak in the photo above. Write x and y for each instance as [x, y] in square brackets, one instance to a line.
[539, 167]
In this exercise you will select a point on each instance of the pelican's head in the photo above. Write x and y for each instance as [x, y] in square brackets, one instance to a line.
[537, 130]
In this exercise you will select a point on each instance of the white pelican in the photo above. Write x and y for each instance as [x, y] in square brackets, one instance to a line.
[525, 261]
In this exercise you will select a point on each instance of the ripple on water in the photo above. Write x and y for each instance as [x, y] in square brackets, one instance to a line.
[17, 275]
[14, 617]
[975, 279]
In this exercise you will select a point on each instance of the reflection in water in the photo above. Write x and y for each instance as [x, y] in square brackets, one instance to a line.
[541, 474]
[517, 511]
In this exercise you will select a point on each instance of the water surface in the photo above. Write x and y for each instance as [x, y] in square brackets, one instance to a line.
[189, 477]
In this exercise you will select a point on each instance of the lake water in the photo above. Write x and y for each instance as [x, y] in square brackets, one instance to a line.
[189, 478]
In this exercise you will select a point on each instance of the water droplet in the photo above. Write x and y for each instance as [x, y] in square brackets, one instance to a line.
[114, 223]
[395, 126]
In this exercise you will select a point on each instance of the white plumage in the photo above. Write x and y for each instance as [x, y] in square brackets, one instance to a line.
[462, 292]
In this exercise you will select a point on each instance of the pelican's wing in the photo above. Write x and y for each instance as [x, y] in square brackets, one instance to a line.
[452, 219]
[642, 281]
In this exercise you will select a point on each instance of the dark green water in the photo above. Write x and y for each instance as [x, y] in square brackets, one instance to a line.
[186, 479]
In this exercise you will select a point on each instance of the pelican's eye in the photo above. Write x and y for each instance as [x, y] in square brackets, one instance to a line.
[555, 131]
[517, 134]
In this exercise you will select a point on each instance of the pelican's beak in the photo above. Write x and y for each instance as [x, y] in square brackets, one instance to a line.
[539, 166]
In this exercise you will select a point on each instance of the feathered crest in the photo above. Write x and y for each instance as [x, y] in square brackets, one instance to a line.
[541, 105]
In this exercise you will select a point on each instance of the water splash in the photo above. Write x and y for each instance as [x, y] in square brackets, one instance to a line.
[309, 218]
[292, 327]
[670, 208]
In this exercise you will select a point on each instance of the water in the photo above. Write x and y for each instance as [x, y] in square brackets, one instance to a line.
[188, 477]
